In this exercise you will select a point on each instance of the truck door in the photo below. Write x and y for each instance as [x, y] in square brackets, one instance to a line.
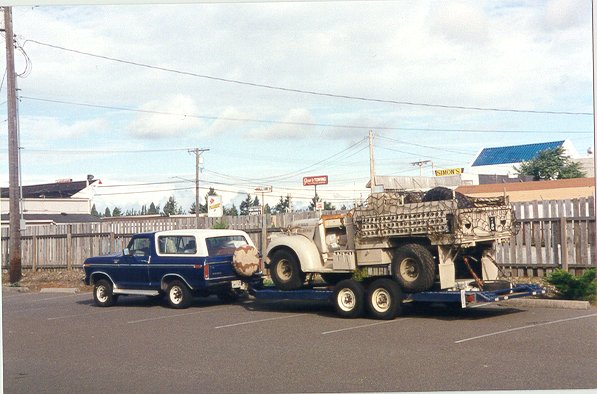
[134, 268]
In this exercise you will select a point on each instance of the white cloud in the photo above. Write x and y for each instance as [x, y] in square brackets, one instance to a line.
[39, 130]
[157, 123]
[288, 131]
[463, 23]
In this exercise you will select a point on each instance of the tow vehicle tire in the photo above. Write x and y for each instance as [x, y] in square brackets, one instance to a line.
[349, 298]
[285, 270]
[178, 295]
[413, 268]
[384, 299]
[102, 293]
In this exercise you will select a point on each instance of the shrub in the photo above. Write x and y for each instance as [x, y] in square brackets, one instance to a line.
[220, 225]
[572, 287]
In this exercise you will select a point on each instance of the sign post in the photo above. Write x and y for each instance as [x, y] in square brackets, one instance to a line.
[314, 181]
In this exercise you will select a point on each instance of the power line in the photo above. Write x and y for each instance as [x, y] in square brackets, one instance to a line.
[301, 91]
[309, 124]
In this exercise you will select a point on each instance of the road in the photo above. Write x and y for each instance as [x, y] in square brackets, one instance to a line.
[63, 343]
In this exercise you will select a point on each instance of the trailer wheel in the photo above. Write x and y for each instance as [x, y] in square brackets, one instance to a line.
[102, 293]
[413, 268]
[348, 298]
[286, 271]
[384, 299]
[178, 295]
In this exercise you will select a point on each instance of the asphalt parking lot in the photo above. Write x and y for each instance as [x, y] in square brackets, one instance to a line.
[63, 343]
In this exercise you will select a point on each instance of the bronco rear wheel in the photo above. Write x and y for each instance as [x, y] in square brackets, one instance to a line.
[178, 295]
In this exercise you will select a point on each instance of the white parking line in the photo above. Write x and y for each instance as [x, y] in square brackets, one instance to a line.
[177, 315]
[84, 314]
[525, 327]
[364, 326]
[259, 321]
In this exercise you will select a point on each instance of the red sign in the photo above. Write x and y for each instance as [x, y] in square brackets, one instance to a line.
[315, 180]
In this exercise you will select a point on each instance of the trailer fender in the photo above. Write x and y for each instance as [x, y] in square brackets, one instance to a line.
[304, 248]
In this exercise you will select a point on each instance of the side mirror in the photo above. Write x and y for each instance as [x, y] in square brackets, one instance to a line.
[126, 252]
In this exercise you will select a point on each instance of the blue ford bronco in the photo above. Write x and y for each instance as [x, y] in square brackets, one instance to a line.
[177, 264]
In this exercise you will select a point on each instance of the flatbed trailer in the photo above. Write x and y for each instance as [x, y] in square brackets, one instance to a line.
[464, 298]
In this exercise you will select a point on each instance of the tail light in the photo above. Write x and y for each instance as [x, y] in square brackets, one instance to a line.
[206, 271]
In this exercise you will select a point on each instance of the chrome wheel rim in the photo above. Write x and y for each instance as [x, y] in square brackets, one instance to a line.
[101, 293]
[346, 300]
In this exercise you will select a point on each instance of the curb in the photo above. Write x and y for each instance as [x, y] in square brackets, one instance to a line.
[64, 290]
[547, 303]
[15, 289]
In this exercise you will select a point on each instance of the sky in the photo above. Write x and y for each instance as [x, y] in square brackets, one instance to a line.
[278, 91]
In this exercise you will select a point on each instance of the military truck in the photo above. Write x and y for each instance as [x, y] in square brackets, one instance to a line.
[393, 248]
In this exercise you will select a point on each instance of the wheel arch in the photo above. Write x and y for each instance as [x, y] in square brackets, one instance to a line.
[99, 275]
[166, 279]
[303, 248]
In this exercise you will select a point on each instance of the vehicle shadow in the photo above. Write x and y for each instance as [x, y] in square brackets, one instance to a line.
[419, 310]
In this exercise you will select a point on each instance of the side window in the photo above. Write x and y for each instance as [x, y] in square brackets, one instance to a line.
[177, 244]
[139, 247]
[220, 246]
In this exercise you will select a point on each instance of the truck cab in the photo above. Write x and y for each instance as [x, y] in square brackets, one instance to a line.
[178, 264]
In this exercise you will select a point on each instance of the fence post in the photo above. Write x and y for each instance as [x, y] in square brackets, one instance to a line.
[69, 247]
[563, 244]
[34, 254]
[263, 232]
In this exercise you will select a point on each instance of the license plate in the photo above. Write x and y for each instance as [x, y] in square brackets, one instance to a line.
[239, 284]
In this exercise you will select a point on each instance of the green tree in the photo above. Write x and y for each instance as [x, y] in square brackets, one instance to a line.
[94, 211]
[327, 206]
[153, 209]
[107, 212]
[232, 211]
[551, 164]
[245, 205]
[172, 208]
[283, 205]
[116, 212]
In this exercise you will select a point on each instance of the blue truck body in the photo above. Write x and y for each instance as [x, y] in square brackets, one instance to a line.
[199, 262]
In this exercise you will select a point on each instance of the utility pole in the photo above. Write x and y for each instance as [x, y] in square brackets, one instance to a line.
[371, 161]
[13, 153]
[197, 153]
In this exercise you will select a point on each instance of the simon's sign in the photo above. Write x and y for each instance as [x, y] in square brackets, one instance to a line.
[449, 171]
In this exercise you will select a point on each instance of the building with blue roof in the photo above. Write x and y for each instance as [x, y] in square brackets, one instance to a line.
[502, 160]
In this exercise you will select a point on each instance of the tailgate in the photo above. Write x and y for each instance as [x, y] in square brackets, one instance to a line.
[219, 267]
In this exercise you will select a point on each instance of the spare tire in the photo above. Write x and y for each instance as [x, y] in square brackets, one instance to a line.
[246, 261]
[441, 193]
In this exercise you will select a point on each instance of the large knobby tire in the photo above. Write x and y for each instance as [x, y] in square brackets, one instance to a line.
[413, 268]
[349, 298]
[178, 295]
[103, 294]
[285, 270]
[384, 299]
[441, 193]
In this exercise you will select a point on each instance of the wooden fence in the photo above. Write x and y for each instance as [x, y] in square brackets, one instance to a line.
[550, 235]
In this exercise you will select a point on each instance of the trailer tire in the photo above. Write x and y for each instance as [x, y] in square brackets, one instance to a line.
[178, 294]
[285, 270]
[349, 298]
[413, 268]
[384, 299]
[103, 293]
